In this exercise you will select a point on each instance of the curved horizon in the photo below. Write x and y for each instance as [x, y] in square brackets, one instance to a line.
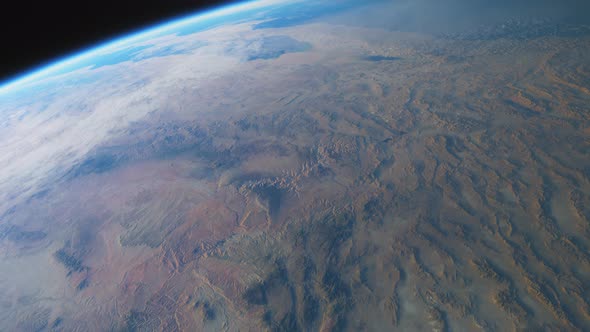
[49, 67]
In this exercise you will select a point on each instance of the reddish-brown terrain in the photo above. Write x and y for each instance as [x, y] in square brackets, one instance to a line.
[355, 178]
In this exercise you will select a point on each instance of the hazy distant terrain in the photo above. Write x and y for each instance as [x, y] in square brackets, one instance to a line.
[323, 169]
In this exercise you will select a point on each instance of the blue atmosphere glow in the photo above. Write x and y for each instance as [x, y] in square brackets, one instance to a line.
[181, 26]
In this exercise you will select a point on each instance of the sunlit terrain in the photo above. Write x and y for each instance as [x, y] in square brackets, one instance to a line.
[339, 170]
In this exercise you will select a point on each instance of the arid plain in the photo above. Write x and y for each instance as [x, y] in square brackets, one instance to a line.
[350, 178]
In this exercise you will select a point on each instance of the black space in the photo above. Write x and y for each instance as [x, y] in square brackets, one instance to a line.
[35, 33]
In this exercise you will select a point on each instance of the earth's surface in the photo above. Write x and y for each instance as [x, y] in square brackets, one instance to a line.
[306, 165]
